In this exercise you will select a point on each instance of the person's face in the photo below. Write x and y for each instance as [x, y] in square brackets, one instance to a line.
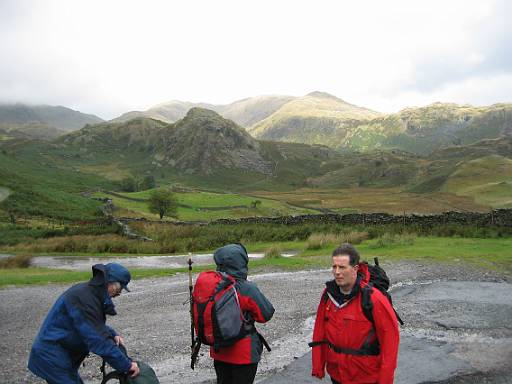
[344, 274]
[114, 289]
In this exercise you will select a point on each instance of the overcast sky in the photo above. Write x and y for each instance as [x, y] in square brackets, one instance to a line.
[108, 57]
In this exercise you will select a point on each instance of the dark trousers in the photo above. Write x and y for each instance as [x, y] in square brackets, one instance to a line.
[54, 382]
[334, 381]
[235, 373]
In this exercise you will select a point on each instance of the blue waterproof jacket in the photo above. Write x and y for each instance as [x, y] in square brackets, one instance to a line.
[74, 327]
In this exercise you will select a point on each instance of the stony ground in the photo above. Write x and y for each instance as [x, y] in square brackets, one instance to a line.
[463, 312]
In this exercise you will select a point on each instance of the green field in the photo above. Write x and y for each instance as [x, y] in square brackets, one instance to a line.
[389, 200]
[203, 206]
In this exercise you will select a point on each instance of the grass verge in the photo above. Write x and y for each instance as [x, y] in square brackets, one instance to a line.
[492, 254]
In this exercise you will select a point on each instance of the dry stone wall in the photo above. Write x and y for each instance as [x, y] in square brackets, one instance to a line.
[498, 217]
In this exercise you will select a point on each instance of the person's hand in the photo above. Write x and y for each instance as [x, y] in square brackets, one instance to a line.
[134, 370]
[118, 340]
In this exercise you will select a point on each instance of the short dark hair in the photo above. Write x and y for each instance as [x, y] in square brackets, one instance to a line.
[347, 249]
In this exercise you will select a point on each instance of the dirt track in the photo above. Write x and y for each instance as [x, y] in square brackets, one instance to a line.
[458, 328]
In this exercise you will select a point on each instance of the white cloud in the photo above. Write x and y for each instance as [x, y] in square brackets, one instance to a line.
[107, 57]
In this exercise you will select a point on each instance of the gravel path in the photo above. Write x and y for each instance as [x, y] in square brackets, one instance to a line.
[441, 311]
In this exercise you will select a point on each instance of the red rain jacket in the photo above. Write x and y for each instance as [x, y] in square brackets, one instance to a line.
[347, 327]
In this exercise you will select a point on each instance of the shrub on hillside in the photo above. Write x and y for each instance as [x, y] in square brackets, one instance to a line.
[320, 240]
[18, 261]
[273, 252]
[389, 239]
[354, 237]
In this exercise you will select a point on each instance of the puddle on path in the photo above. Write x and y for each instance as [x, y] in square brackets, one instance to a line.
[168, 261]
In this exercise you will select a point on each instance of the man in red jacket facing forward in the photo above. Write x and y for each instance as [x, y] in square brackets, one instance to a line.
[354, 349]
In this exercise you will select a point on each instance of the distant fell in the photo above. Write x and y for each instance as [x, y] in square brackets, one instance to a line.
[317, 118]
[248, 112]
[243, 112]
[168, 112]
[62, 118]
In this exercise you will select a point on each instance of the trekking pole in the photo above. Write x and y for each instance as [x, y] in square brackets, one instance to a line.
[190, 288]
[195, 344]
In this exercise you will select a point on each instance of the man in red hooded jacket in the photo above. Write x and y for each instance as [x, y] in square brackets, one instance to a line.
[352, 348]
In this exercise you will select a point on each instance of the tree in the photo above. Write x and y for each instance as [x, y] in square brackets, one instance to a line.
[128, 184]
[255, 203]
[163, 202]
[148, 182]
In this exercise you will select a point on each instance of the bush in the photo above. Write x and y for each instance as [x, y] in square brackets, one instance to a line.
[389, 239]
[354, 237]
[18, 261]
[273, 252]
[320, 240]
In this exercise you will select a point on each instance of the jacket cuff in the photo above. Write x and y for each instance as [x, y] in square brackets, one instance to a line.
[111, 330]
[128, 365]
[386, 379]
[318, 373]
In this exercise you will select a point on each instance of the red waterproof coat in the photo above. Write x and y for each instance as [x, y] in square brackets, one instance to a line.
[233, 260]
[347, 327]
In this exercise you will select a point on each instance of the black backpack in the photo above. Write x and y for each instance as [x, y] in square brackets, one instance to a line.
[378, 280]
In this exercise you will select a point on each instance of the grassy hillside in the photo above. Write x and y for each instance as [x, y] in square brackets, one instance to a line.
[203, 150]
[41, 131]
[376, 169]
[39, 187]
[323, 119]
[426, 129]
[320, 118]
[208, 152]
[488, 180]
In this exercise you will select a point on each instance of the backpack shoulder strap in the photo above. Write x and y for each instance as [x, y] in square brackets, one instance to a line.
[325, 296]
[366, 303]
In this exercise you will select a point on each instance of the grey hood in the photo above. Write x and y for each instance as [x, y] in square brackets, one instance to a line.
[233, 260]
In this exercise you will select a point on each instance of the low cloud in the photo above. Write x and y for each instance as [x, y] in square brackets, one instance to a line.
[110, 57]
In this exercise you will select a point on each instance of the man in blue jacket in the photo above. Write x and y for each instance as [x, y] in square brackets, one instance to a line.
[76, 326]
